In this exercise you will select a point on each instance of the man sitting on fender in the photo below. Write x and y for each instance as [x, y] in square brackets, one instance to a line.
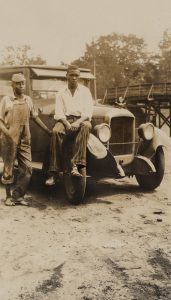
[73, 112]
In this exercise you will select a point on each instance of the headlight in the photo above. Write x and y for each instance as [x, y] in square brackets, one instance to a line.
[146, 131]
[103, 132]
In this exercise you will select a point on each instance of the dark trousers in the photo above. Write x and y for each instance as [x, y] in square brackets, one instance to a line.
[21, 152]
[72, 146]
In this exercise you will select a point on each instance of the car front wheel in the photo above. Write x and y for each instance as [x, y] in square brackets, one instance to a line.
[152, 181]
[75, 187]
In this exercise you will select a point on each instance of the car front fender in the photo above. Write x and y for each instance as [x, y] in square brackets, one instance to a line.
[100, 161]
[149, 148]
[96, 148]
[141, 165]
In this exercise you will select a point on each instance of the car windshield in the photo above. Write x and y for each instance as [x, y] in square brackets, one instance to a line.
[45, 89]
[47, 85]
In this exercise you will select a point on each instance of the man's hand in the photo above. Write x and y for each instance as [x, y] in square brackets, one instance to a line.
[8, 134]
[49, 132]
[67, 125]
[4, 129]
[75, 125]
[42, 125]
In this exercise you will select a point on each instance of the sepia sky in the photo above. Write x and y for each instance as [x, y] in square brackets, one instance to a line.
[59, 29]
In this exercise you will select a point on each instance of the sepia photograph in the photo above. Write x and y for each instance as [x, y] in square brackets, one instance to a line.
[85, 150]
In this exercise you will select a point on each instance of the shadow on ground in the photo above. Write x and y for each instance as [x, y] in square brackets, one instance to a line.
[55, 197]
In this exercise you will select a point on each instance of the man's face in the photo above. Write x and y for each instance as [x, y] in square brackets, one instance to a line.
[19, 87]
[73, 77]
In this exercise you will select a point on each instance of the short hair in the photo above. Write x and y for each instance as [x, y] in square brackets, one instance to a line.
[18, 77]
[72, 68]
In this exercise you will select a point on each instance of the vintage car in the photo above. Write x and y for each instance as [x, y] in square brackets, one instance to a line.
[114, 141]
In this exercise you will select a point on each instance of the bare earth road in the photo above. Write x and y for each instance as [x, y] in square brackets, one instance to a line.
[116, 246]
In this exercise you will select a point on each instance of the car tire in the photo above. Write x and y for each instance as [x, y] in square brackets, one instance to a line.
[152, 181]
[75, 187]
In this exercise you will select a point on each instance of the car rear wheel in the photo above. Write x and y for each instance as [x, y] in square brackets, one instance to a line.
[75, 187]
[152, 181]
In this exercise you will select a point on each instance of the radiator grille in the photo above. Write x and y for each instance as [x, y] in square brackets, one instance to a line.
[122, 136]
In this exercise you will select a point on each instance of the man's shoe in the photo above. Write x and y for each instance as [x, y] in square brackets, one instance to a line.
[7, 180]
[21, 201]
[9, 201]
[50, 181]
[120, 171]
[75, 172]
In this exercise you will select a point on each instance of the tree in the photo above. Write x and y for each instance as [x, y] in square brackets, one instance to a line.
[119, 60]
[21, 55]
[165, 57]
[151, 69]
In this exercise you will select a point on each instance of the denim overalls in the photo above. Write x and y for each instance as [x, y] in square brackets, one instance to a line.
[17, 146]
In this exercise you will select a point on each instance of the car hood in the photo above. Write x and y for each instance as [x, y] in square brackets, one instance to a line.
[107, 112]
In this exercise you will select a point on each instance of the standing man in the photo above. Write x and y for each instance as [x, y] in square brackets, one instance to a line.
[15, 113]
[73, 113]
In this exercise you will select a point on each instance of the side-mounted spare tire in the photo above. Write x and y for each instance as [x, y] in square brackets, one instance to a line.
[75, 187]
[152, 181]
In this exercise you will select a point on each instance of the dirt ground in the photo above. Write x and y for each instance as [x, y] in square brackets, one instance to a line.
[116, 246]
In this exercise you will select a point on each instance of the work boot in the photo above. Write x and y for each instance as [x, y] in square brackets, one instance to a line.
[75, 172]
[9, 201]
[21, 201]
[50, 181]
[7, 180]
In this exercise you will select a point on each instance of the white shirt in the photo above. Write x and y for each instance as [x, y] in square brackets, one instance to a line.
[80, 104]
